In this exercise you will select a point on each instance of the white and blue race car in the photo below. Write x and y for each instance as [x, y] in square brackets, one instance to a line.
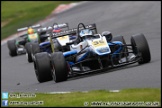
[91, 52]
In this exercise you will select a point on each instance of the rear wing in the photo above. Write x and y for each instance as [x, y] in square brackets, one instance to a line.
[74, 30]
[25, 28]
[55, 25]
[64, 25]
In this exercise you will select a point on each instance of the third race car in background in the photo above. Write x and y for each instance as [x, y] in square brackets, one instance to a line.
[17, 46]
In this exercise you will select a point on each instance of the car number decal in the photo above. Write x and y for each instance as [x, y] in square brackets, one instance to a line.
[98, 43]
[63, 38]
[33, 36]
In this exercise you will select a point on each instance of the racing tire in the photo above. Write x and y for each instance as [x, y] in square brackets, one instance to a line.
[121, 39]
[12, 47]
[140, 45]
[28, 51]
[42, 67]
[35, 49]
[59, 67]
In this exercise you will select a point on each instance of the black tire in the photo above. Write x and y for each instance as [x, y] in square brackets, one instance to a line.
[42, 67]
[12, 47]
[60, 68]
[28, 51]
[35, 49]
[121, 39]
[140, 44]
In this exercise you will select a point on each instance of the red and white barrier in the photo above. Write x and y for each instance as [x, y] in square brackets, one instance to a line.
[64, 7]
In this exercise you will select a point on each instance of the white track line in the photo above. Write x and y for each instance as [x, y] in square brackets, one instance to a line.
[64, 92]
[114, 90]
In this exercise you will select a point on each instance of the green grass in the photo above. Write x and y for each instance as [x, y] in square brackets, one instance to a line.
[24, 13]
[75, 99]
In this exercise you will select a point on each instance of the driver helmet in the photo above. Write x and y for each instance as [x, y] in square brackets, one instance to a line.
[31, 31]
[56, 29]
[86, 33]
[108, 35]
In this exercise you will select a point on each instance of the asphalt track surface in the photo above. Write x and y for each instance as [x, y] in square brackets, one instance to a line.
[119, 17]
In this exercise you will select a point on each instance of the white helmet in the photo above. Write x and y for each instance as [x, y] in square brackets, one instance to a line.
[86, 32]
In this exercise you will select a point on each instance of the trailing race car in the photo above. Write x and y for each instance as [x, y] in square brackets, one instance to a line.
[91, 52]
[17, 46]
[45, 44]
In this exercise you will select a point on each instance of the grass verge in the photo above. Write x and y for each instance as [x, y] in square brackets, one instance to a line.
[140, 97]
[17, 14]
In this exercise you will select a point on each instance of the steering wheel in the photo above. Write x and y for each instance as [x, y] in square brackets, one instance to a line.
[78, 38]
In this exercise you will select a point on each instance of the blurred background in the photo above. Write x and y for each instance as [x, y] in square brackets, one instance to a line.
[17, 14]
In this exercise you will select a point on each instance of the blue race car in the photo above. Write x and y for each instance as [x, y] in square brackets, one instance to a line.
[91, 52]
[45, 44]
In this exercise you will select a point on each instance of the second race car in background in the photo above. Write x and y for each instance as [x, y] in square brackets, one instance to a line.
[45, 44]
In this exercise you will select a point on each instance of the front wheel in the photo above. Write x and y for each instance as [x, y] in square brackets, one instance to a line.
[140, 45]
[42, 67]
[12, 47]
[59, 67]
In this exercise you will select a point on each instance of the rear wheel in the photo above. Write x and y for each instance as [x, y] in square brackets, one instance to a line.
[12, 47]
[59, 67]
[35, 49]
[42, 67]
[28, 51]
[140, 45]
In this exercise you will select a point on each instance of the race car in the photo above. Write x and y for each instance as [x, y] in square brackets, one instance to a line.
[91, 52]
[45, 44]
[17, 46]
[64, 37]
